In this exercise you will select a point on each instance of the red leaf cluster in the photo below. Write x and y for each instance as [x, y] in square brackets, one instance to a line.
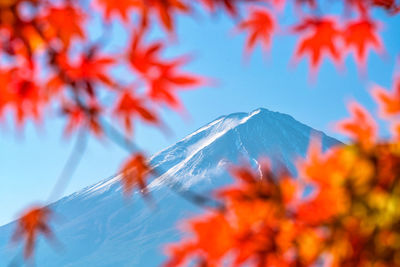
[260, 26]
[134, 173]
[33, 223]
[325, 37]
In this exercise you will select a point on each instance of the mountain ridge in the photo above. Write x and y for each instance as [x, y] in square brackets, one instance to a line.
[102, 228]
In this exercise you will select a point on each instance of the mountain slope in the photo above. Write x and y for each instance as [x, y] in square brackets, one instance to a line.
[98, 227]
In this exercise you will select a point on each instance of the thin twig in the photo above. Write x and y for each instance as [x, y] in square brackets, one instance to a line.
[70, 166]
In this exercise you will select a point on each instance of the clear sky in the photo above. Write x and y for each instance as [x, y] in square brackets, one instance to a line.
[31, 161]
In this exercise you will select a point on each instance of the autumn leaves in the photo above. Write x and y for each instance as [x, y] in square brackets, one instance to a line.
[47, 63]
[340, 210]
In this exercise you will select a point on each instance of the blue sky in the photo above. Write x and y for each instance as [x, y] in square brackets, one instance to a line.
[31, 161]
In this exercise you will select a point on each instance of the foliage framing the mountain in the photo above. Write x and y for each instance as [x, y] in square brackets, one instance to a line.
[41, 70]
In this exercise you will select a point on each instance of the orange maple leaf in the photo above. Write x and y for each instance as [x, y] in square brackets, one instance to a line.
[260, 26]
[389, 103]
[178, 253]
[212, 240]
[322, 38]
[30, 225]
[134, 173]
[129, 106]
[328, 202]
[361, 127]
[314, 167]
[360, 35]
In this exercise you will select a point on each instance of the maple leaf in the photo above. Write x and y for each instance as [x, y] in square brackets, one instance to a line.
[384, 3]
[361, 35]
[213, 239]
[389, 103]
[134, 173]
[55, 25]
[260, 26]
[321, 39]
[119, 8]
[5, 95]
[79, 116]
[214, 235]
[165, 11]
[27, 100]
[395, 129]
[314, 166]
[129, 106]
[327, 203]
[230, 6]
[21, 94]
[166, 79]
[361, 127]
[143, 58]
[92, 68]
[255, 185]
[30, 225]
[161, 75]
[82, 74]
[178, 253]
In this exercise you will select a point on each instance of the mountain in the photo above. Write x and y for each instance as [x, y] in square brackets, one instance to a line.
[97, 226]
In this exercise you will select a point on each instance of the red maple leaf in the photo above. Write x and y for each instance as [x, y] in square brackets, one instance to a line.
[166, 79]
[143, 58]
[229, 5]
[119, 8]
[161, 75]
[21, 94]
[259, 26]
[55, 26]
[92, 68]
[232, 6]
[82, 74]
[79, 116]
[364, 5]
[164, 9]
[321, 38]
[134, 173]
[30, 225]
[359, 36]
[130, 106]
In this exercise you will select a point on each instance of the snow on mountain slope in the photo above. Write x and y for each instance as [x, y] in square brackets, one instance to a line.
[98, 227]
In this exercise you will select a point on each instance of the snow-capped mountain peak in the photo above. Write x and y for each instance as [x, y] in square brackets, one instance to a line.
[101, 229]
